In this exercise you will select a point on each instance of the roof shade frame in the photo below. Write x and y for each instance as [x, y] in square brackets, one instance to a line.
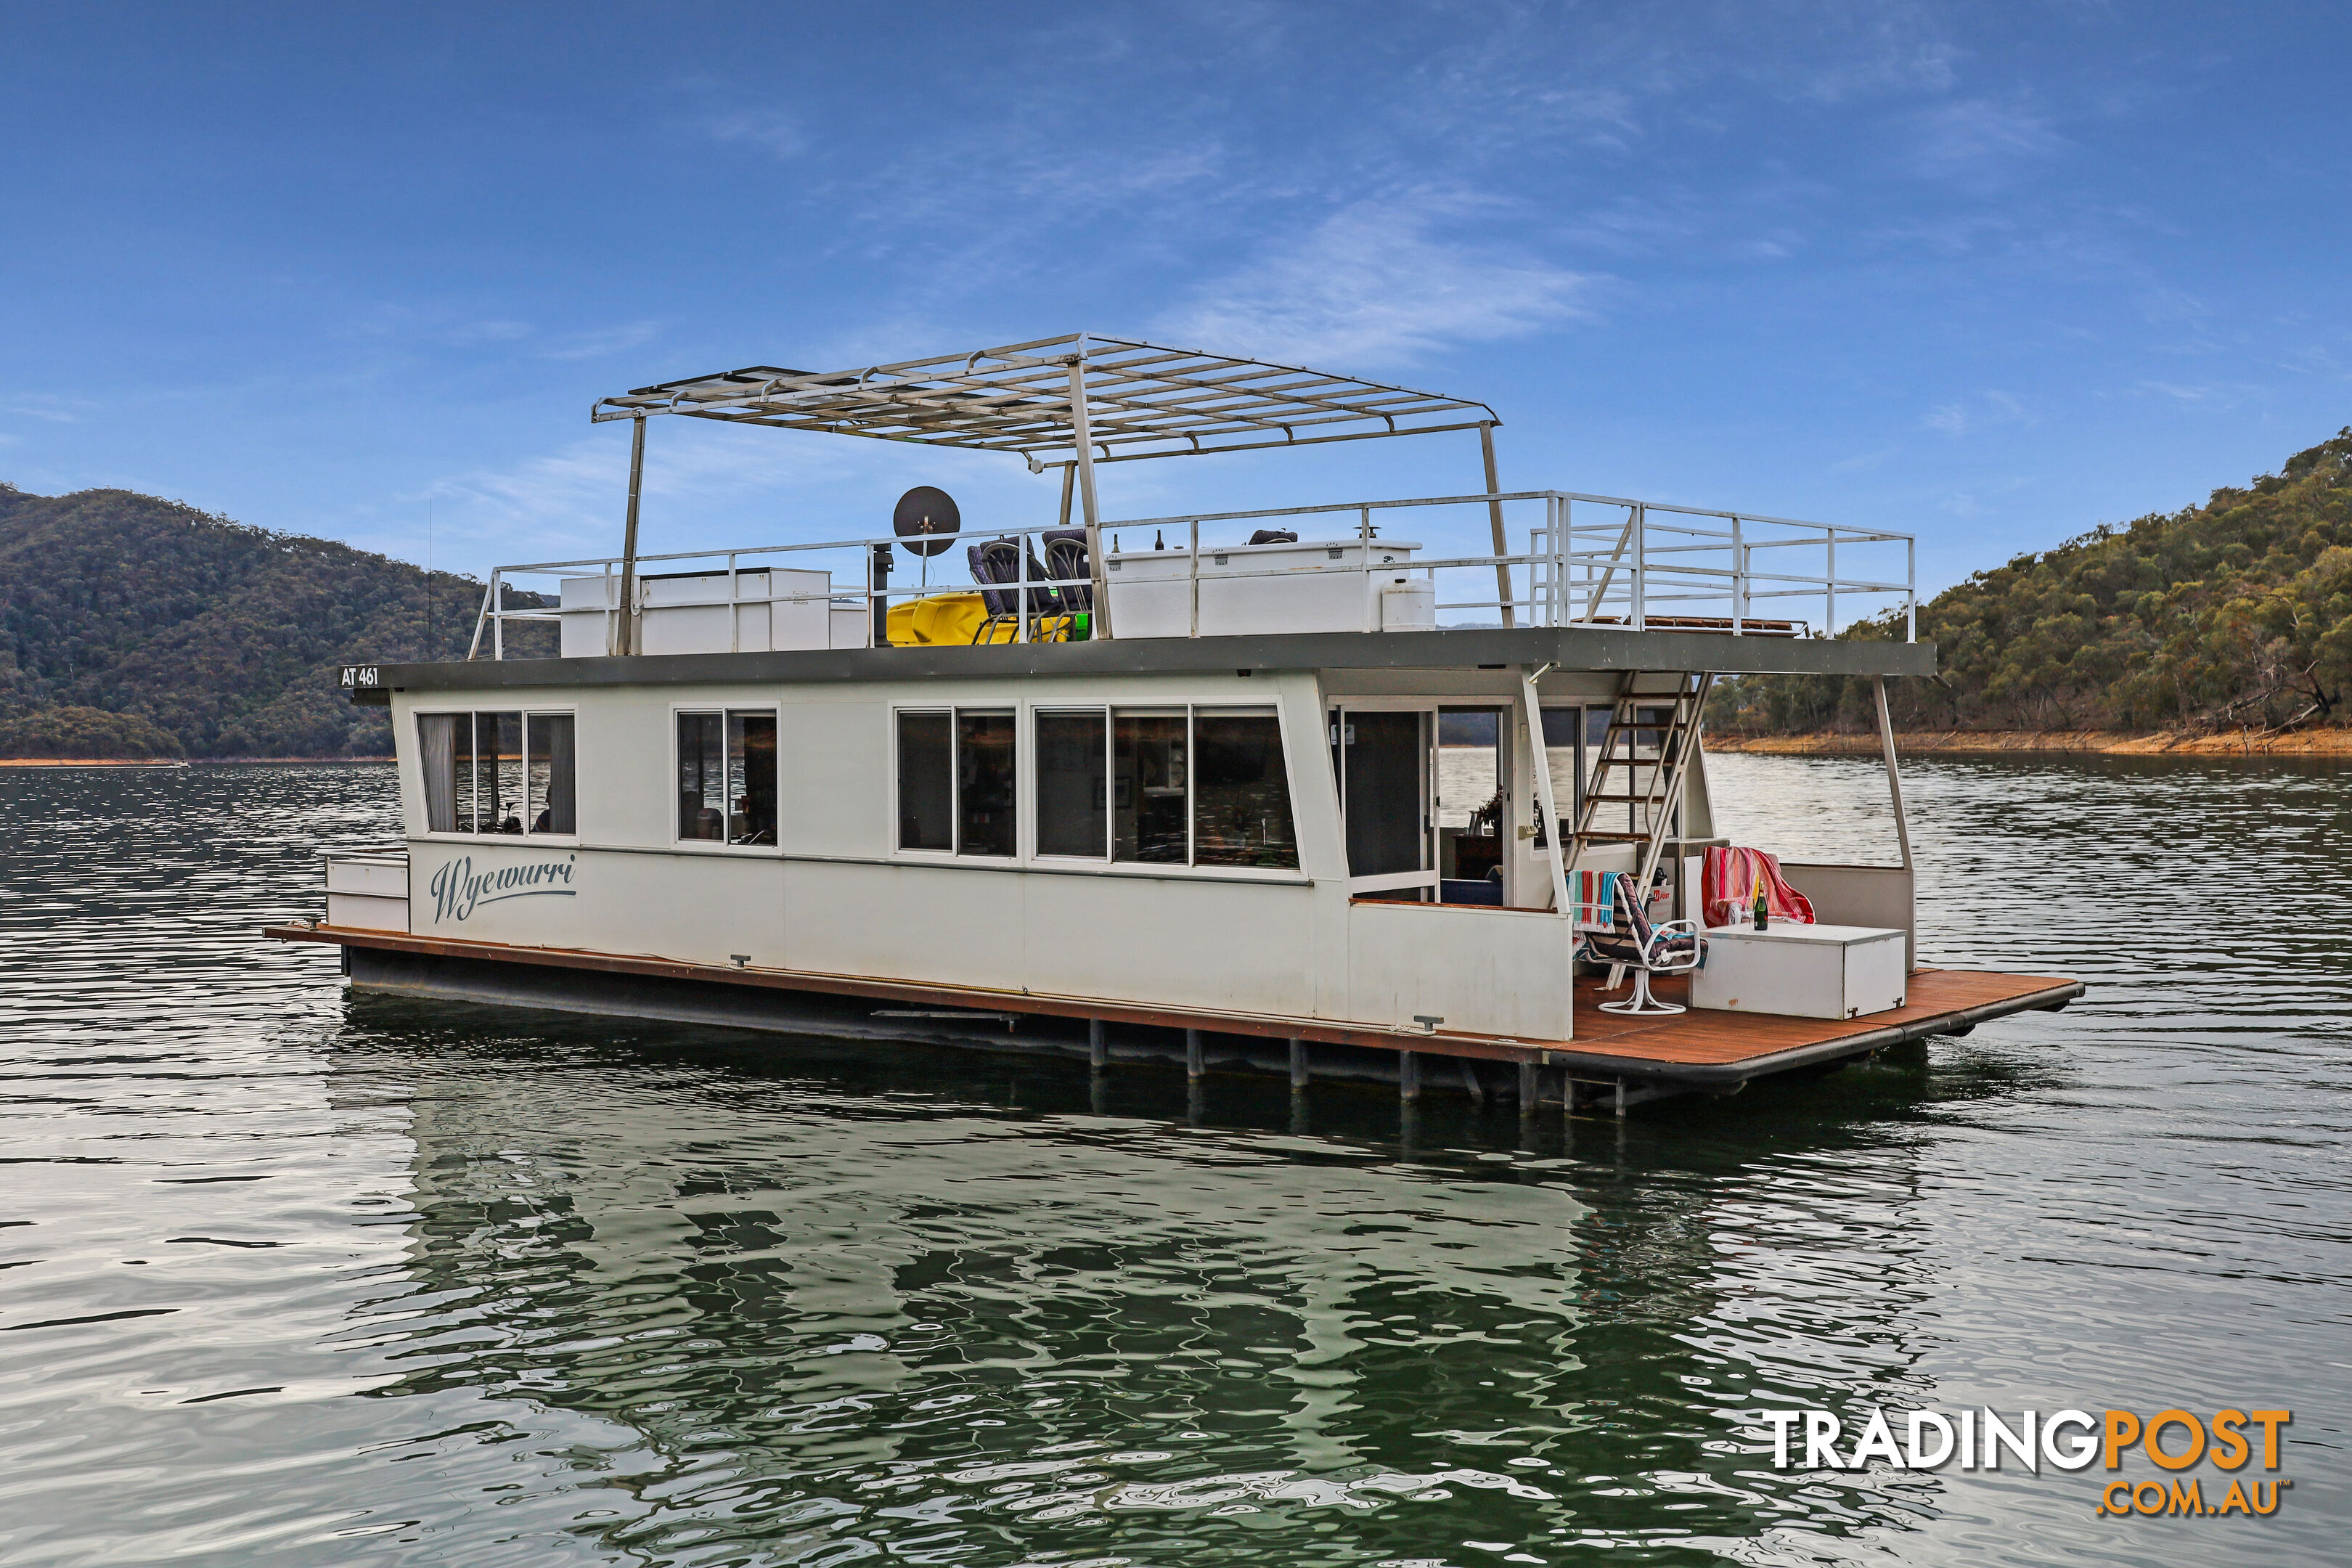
[1141, 400]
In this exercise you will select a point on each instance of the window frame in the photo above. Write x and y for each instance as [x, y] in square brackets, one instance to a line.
[1019, 760]
[1275, 710]
[1028, 794]
[678, 841]
[527, 834]
[1107, 864]
[1033, 828]
[1023, 753]
[1110, 737]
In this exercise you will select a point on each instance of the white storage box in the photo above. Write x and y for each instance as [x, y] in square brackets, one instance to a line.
[367, 891]
[1409, 606]
[770, 610]
[1800, 971]
[1315, 585]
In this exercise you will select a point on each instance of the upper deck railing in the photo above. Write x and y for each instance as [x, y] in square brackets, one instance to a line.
[1589, 561]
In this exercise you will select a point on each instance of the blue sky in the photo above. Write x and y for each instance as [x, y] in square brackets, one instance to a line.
[1989, 274]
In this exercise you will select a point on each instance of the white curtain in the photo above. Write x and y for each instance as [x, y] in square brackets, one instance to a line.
[436, 734]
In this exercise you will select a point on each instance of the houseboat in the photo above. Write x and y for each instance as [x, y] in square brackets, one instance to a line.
[1408, 791]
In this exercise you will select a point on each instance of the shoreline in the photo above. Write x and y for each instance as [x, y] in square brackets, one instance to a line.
[2104, 743]
[169, 761]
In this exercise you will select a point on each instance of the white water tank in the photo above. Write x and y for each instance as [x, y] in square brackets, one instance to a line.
[1409, 605]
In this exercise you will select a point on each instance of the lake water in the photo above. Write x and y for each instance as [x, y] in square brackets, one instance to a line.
[289, 1276]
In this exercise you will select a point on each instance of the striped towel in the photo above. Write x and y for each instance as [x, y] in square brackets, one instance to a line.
[1595, 893]
[1727, 889]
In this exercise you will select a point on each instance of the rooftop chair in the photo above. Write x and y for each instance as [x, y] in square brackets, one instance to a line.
[1631, 941]
[996, 564]
[1066, 560]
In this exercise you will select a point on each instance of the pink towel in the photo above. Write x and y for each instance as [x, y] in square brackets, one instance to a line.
[1727, 889]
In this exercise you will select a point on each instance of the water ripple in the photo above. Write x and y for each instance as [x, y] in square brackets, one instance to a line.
[292, 1277]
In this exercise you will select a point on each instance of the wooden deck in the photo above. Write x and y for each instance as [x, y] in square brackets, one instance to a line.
[1940, 1001]
[1697, 1049]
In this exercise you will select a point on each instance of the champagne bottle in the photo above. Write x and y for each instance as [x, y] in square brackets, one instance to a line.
[1763, 910]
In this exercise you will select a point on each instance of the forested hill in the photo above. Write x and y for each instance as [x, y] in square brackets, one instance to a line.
[2231, 614]
[131, 627]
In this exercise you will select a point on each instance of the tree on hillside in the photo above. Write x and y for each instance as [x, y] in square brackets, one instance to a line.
[2238, 612]
[82, 733]
[226, 637]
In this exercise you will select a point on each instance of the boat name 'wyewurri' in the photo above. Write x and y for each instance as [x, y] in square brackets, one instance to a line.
[459, 889]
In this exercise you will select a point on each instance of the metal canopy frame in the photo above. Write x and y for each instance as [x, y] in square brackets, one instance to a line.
[1099, 399]
[1126, 398]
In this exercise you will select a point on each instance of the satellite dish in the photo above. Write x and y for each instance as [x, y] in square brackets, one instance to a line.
[926, 520]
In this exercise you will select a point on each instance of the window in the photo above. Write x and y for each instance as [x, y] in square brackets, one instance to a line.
[1570, 736]
[984, 820]
[1150, 820]
[727, 776]
[1073, 777]
[1173, 787]
[1470, 803]
[927, 781]
[497, 772]
[956, 791]
[548, 780]
[1240, 804]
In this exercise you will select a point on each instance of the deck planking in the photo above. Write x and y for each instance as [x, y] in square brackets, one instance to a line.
[1714, 1038]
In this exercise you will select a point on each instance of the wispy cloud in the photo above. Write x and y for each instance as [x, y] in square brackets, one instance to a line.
[2162, 306]
[1966, 417]
[472, 334]
[958, 194]
[704, 486]
[609, 340]
[774, 132]
[1380, 283]
[1860, 461]
[1976, 141]
[1635, 225]
[56, 410]
[2210, 396]
[568, 502]
[433, 322]
[1857, 51]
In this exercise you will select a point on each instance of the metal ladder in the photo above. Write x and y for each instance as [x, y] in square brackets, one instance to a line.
[1650, 788]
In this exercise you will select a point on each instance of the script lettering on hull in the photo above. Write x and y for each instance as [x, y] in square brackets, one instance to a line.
[459, 889]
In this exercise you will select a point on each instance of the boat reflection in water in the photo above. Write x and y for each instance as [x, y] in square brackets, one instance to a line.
[836, 1299]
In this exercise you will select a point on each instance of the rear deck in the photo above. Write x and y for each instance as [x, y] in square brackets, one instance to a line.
[1737, 1046]
[1702, 1051]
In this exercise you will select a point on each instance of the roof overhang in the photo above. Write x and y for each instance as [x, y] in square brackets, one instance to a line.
[1563, 647]
[1136, 400]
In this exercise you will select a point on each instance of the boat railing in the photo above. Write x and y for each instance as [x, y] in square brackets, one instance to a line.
[1589, 560]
